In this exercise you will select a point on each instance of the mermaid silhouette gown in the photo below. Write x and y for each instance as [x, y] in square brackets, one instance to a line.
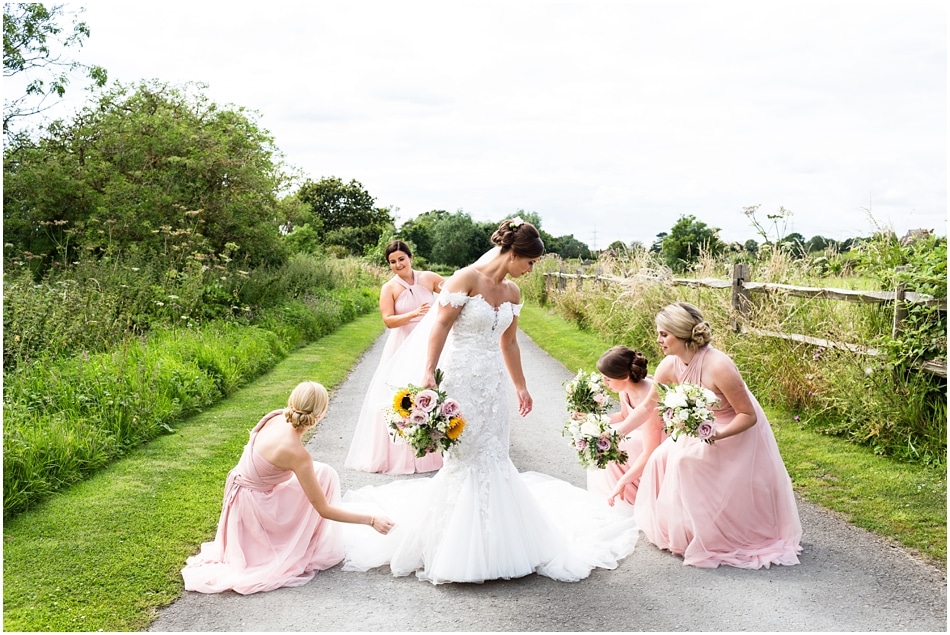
[729, 503]
[269, 535]
[372, 449]
[478, 518]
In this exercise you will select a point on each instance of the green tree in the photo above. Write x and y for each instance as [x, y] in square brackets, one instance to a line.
[458, 241]
[346, 212]
[419, 231]
[32, 43]
[687, 240]
[148, 168]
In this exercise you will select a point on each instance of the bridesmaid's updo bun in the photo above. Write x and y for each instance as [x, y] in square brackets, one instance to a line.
[307, 405]
[519, 237]
[621, 362]
[686, 322]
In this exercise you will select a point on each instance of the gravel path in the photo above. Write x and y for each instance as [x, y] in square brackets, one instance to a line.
[848, 579]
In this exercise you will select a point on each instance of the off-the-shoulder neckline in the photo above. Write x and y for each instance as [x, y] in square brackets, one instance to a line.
[482, 298]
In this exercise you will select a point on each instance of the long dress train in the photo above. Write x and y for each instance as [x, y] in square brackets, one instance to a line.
[372, 449]
[269, 535]
[729, 503]
[479, 518]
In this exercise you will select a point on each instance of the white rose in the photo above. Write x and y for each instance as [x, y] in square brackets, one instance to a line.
[590, 428]
[675, 400]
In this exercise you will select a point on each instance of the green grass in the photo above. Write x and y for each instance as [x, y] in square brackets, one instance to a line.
[106, 553]
[900, 501]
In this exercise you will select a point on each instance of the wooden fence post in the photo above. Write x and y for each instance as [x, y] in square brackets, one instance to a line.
[741, 303]
[561, 280]
[900, 308]
[580, 278]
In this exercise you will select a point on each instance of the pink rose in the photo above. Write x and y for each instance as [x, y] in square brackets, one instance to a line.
[450, 408]
[418, 417]
[427, 400]
[599, 398]
[705, 430]
[603, 444]
[581, 444]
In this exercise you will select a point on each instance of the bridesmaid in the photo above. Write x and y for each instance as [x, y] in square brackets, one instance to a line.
[729, 502]
[403, 301]
[275, 528]
[625, 373]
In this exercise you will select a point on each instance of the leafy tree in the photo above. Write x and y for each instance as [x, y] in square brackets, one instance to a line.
[751, 246]
[148, 168]
[346, 212]
[418, 232]
[794, 243]
[687, 239]
[658, 243]
[458, 241]
[32, 37]
[570, 247]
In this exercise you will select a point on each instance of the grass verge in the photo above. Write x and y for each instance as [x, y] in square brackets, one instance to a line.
[904, 502]
[106, 553]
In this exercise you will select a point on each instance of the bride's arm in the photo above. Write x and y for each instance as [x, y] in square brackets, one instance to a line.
[444, 319]
[511, 352]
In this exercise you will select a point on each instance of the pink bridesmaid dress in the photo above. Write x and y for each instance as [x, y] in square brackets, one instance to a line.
[729, 503]
[602, 481]
[269, 535]
[372, 449]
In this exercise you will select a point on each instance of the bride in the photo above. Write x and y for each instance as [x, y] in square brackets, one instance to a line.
[479, 518]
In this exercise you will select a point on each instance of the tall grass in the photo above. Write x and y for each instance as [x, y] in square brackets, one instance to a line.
[873, 401]
[72, 403]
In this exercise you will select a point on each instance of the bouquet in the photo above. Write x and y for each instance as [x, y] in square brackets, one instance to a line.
[687, 409]
[426, 419]
[596, 441]
[586, 394]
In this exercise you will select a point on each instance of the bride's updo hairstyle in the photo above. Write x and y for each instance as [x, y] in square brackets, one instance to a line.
[686, 322]
[519, 237]
[307, 405]
[622, 362]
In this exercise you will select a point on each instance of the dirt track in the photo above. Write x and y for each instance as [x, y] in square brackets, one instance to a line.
[848, 579]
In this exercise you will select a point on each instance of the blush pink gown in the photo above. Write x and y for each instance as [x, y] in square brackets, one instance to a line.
[602, 481]
[729, 503]
[269, 535]
[372, 449]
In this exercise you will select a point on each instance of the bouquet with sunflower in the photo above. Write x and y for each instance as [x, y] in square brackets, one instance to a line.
[687, 409]
[426, 419]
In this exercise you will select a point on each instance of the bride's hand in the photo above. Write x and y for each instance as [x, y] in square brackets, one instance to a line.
[525, 402]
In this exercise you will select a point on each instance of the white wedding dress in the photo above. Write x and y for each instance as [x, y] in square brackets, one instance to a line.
[478, 518]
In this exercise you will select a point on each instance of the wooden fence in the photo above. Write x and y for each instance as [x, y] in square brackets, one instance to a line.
[742, 290]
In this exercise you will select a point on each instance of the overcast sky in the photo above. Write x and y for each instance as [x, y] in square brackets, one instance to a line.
[609, 119]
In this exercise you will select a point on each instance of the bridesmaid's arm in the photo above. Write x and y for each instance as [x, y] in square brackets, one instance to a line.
[387, 308]
[652, 432]
[302, 466]
[646, 409]
[725, 378]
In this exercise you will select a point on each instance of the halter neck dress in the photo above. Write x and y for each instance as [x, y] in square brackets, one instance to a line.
[372, 449]
[728, 503]
[269, 535]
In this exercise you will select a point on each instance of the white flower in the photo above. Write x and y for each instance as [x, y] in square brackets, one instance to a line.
[515, 222]
[675, 400]
[590, 428]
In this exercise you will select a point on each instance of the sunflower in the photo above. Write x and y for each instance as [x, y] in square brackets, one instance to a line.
[456, 425]
[402, 402]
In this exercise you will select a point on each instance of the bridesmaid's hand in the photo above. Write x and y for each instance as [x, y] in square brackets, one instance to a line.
[382, 524]
[423, 309]
[524, 402]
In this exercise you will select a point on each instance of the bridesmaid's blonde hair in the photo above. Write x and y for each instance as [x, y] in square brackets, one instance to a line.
[307, 404]
[686, 322]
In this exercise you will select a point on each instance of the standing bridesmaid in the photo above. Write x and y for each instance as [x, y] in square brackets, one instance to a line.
[625, 373]
[403, 301]
[729, 502]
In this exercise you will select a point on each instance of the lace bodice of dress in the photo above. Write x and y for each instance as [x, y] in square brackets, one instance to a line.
[479, 325]
[475, 375]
